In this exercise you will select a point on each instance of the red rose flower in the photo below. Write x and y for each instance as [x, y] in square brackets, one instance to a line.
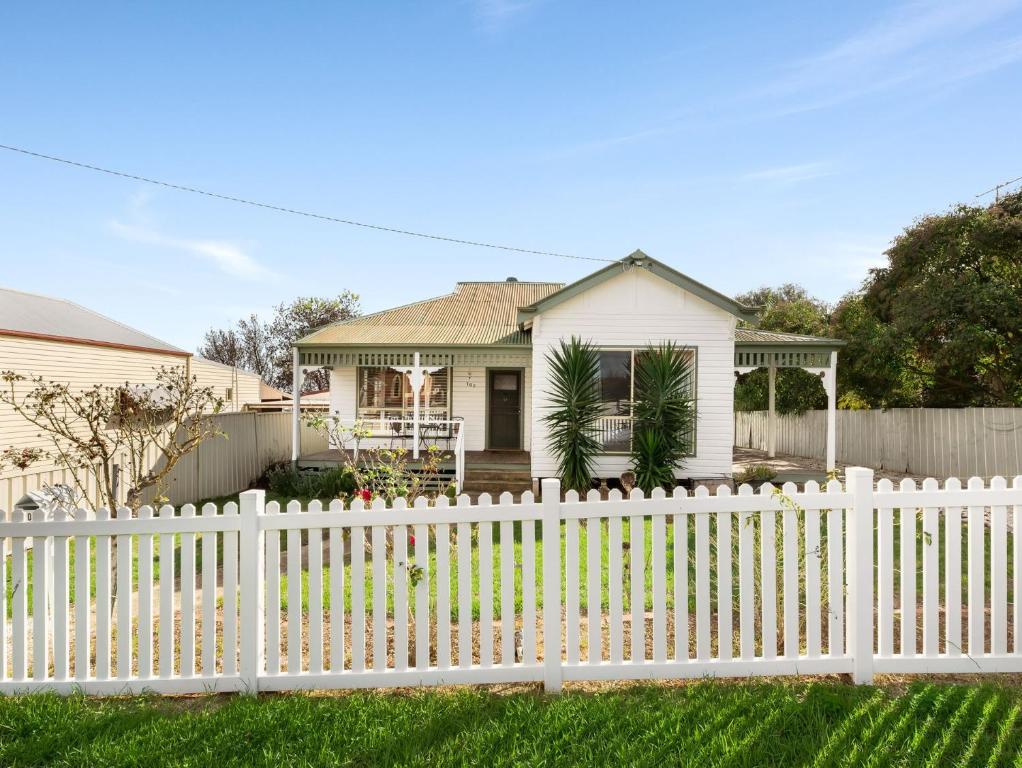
[365, 494]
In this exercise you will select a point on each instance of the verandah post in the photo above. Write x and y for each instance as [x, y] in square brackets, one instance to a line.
[859, 535]
[251, 578]
[551, 488]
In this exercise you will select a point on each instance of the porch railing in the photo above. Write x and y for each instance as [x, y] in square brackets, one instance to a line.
[448, 434]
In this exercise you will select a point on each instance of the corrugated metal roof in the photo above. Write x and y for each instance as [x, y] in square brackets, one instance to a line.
[475, 314]
[756, 336]
[29, 314]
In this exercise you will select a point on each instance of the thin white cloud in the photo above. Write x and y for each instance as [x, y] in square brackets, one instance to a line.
[791, 174]
[494, 14]
[228, 257]
[907, 44]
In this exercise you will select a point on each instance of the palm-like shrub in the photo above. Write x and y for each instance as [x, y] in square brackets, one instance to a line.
[575, 408]
[663, 415]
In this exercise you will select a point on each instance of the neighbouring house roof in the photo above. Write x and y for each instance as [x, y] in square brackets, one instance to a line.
[638, 260]
[43, 317]
[754, 336]
[475, 314]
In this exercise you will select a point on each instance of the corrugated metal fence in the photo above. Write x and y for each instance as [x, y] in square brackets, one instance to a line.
[936, 442]
[218, 467]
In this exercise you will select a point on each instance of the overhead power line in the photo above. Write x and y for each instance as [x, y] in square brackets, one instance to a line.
[996, 189]
[295, 211]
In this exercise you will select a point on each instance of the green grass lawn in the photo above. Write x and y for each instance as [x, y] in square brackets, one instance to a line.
[743, 724]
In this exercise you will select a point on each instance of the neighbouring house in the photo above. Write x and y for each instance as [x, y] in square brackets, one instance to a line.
[66, 342]
[480, 357]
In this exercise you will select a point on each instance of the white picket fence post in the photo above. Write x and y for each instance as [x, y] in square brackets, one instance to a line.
[859, 535]
[251, 581]
[551, 488]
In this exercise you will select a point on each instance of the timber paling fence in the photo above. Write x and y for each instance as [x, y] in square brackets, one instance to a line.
[254, 597]
[929, 442]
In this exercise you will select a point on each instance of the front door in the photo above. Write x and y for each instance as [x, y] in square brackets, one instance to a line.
[504, 420]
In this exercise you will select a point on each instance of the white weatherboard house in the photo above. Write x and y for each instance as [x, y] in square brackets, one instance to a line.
[478, 359]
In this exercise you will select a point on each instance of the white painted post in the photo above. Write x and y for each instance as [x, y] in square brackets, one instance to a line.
[296, 406]
[859, 533]
[551, 585]
[830, 384]
[772, 408]
[252, 575]
[416, 381]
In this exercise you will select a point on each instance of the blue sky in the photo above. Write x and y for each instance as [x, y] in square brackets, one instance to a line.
[745, 144]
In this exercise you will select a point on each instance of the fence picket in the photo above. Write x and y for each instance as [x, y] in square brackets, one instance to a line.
[271, 627]
[953, 572]
[209, 569]
[835, 577]
[594, 596]
[768, 575]
[379, 565]
[658, 568]
[615, 583]
[464, 590]
[103, 595]
[725, 596]
[485, 588]
[19, 603]
[746, 580]
[421, 546]
[702, 579]
[166, 630]
[60, 602]
[909, 573]
[315, 575]
[358, 600]
[83, 608]
[443, 591]
[998, 572]
[977, 608]
[187, 668]
[681, 623]
[230, 588]
[813, 557]
[293, 540]
[145, 598]
[336, 544]
[528, 587]
[507, 588]
[637, 562]
[931, 562]
[400, 610]
[885, 575]
[790, 571]
[572, 611]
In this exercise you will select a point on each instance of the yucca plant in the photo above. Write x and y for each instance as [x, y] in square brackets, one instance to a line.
[575, 408]
[663, 415]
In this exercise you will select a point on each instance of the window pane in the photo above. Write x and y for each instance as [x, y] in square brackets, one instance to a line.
[616, 382]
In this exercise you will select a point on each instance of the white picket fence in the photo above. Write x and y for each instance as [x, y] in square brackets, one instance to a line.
[852, 579]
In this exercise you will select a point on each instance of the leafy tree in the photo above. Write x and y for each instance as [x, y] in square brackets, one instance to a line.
[300, 318]
[873, 370]
[952, 294]
[265, 348]
[787, 309]
[246, 345]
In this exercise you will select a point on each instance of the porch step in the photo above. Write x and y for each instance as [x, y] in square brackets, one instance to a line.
[496, 487]
[488, 474]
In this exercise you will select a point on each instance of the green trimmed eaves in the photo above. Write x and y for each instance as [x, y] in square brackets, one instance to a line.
[640, 260]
